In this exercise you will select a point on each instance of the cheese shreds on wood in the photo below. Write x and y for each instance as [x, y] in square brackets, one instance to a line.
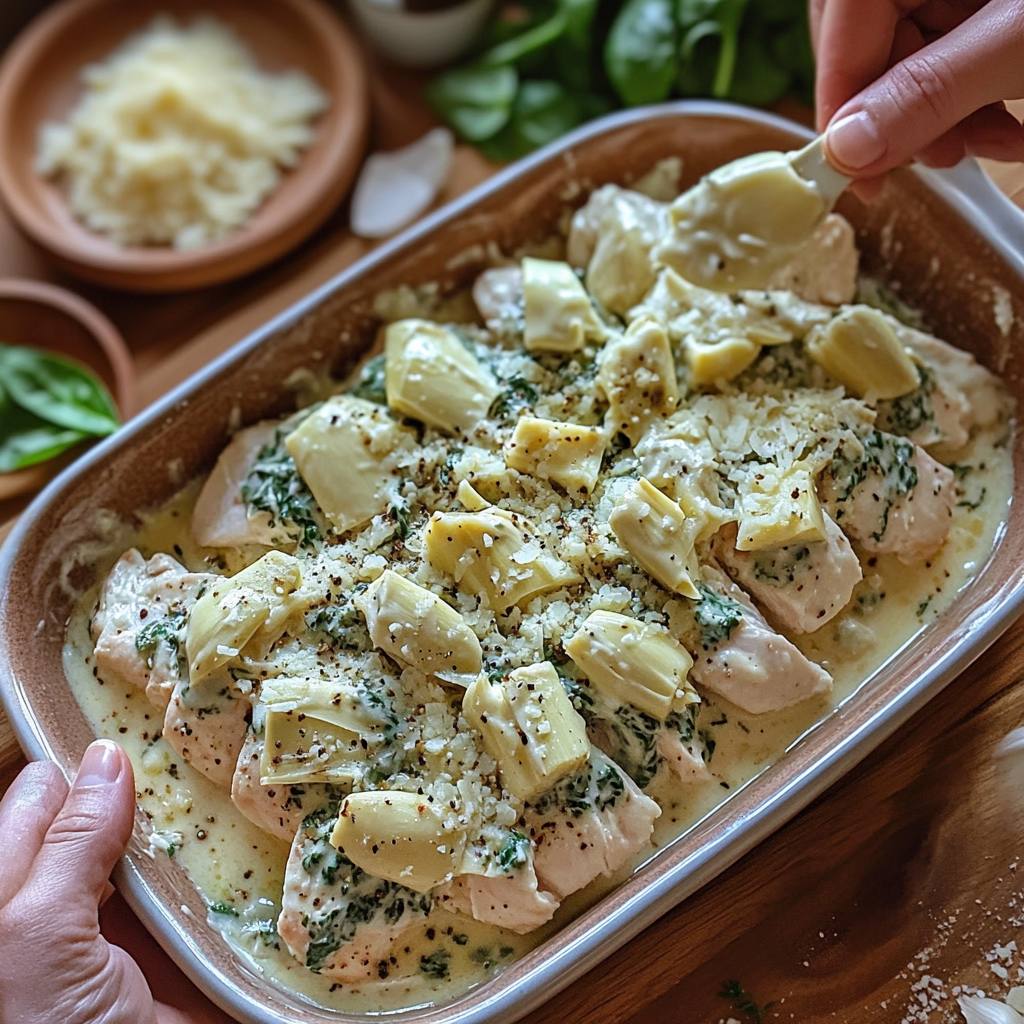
[178, 137]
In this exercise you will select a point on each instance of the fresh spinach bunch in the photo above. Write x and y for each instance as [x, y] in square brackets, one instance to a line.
[546, 66]
[48, 404]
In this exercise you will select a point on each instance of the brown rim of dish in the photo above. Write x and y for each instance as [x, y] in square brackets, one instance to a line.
[106, 335]
[272, 231]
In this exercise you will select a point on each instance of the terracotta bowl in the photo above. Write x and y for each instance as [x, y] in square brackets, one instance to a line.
[44, 316]
[40, 82]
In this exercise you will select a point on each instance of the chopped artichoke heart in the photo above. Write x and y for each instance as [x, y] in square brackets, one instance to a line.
[565, 453]
[416, 628]
[779, 509]
[471, 499]
[620, 273]
[398, 836]
[633, 662]
[253, 605]
[558, 312]
[494, 553]
[638, 377]
[432, 377]
[529, 726]
[324, 699]
[718, 360]
[659, 535]
[861, 350]
[341, 451]
[301, 748]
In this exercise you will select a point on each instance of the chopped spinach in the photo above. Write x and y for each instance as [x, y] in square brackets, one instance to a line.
[610, 787]
[518, 393]
[274, 485]
[780, 566]
[160, 631]
[717, 616]
[370, 385]
[223, 908]
[512, 853]
[436, 965]
[908, 413]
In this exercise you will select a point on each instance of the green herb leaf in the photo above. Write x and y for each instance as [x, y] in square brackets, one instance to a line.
[717, 616]
[475, 101]
[543, 111]
[640, 54]
[57, 391]
[26, 440]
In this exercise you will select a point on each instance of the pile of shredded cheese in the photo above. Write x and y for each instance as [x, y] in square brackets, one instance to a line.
[178, 137]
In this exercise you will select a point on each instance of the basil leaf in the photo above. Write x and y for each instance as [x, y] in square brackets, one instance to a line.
[475, 101]
[57, 391]
[25, 439]
[516, 49]
[640, 54]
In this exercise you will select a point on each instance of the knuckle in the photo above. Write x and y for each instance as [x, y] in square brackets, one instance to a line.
[924, 81]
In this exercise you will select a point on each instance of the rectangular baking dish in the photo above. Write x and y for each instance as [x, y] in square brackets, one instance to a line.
[949, 241]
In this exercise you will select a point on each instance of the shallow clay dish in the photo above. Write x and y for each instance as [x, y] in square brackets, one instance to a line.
[44, 316]
[950, 241]
[40, 82]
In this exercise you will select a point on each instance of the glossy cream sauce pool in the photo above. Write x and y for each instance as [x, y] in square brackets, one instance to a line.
[239, 869]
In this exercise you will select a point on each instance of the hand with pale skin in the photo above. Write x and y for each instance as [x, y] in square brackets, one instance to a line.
[900, 80]
[57, 849]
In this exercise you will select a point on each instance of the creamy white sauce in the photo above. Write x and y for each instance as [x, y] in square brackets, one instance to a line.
[231, 860]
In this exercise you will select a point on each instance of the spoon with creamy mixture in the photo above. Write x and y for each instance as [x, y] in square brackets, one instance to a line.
[746, 219]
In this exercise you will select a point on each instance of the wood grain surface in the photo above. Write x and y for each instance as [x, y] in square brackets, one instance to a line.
[874, 904]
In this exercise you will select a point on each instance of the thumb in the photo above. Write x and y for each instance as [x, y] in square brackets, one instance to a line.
[928, 93]
[88, 835]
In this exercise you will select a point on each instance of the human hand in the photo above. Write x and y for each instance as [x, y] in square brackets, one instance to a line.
[58, 848]
[925, 79]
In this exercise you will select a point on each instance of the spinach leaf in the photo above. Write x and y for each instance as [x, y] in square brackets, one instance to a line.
[475, 101]
[640, 54]
[700, 19]
[543, 111]
[57, 390]
[26, 440]
[513, 851]
[758, 80]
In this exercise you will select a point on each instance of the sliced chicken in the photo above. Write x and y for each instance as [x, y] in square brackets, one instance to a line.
[139, 621]
[222, 518]
[207, 726]
[588, 826]
[339, 921]
[737, 654]
[825, 269]
[277, 809]
[682, 749]
[498, 294]
[509, 900]
[800, 586]
[893, 498]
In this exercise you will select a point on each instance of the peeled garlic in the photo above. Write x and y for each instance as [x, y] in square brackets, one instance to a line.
[980, 1010]
[395, 188]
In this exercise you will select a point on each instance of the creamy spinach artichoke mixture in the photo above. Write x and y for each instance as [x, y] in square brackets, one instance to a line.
[460, 633]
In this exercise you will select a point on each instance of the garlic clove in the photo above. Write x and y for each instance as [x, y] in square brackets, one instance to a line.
[395, 188]
[979, 1010]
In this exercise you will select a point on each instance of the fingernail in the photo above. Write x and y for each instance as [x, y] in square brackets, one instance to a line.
[854, 142]
[100, 766]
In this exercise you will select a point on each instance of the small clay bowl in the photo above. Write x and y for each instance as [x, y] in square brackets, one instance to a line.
[40, 82]
[39, 315]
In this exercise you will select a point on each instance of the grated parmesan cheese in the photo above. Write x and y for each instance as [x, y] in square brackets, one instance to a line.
[179, 137]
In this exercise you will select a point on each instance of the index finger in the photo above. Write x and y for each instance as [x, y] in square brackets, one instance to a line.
[855, 41]
[26, 813]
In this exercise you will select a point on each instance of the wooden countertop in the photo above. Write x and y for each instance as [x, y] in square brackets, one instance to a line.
[872, 905]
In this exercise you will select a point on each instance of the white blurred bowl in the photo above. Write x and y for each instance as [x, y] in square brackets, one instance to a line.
[421, 39]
